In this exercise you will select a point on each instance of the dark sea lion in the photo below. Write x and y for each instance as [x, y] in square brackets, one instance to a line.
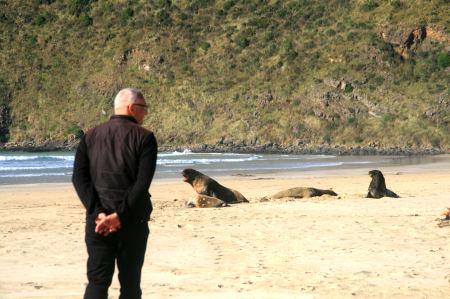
[377, 187]
[205, 201]
[205, 185]
[302, 192]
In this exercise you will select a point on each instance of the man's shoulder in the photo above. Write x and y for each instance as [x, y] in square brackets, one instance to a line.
[144, 131]
[96, 128]
[145, 135]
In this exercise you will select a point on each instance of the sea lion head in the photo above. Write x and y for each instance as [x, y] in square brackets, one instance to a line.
[189, 175]
[375, 173]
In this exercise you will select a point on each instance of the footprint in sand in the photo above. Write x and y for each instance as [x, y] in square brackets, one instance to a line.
[35, 285]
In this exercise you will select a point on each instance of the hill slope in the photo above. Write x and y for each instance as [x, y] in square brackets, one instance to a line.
[338, 72]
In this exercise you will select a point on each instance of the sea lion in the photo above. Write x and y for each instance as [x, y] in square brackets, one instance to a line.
[302, 192]
[377, 187]
[205, 185]
[204, 201]
[444, 221]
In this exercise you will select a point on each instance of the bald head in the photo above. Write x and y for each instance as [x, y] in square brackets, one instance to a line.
[130, 101]
[126, 97]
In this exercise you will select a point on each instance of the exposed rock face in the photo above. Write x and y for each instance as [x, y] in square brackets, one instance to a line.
[405, 42]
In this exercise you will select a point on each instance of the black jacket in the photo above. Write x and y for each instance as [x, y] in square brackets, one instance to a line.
[114, 166]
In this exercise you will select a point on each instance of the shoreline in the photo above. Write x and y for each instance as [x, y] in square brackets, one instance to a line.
[243, 148]
[383, 163]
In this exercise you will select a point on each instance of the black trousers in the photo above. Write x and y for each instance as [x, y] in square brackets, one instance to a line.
[127, 246]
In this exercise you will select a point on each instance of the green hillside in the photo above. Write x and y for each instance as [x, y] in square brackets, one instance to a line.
[336, 72]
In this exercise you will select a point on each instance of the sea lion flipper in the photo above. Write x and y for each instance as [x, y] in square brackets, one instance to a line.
[389, 193]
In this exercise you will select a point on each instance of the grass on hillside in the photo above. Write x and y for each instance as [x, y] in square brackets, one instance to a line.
[253, 70]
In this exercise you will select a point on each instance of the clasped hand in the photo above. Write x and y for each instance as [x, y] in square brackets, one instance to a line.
[107, 224]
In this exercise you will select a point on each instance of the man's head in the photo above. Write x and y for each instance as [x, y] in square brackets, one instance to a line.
[130, 101]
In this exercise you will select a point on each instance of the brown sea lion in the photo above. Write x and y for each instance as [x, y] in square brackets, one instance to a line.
[205, 185]
[442, 222]
[377, 187]
[205, 201]
[302, 192]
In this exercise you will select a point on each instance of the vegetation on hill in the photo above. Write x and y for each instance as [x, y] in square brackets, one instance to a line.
[337, 72]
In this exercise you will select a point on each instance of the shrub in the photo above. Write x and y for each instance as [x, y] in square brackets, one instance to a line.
[291, 55]
[288, 45]
[85, 20]
[369, 5]
[30, 40]
[327, 138]
[348, 88]
[443, 60]
[242, 41]
[39, 20]
[205, 46]
[330, 32]
[43, 18]
[163, 17]
[387, 118]
[351, 36]
[351, 120]
[229, 4]
[127, 13]
[74, 129]
[4, 137]
[162, 3]
[282, 13]
[268, 36]
[396, 3]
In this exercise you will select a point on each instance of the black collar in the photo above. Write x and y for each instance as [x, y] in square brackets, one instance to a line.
[127, 117]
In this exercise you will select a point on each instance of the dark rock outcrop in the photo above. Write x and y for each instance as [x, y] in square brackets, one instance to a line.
[405, 43]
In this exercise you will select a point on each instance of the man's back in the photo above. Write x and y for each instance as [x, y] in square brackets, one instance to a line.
[114, 150]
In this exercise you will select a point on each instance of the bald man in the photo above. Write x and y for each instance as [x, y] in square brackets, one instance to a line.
[113, 169]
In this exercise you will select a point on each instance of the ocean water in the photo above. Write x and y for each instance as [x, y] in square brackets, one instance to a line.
[21, 167]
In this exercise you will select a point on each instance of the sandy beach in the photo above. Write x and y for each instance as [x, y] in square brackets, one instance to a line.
[327, 247]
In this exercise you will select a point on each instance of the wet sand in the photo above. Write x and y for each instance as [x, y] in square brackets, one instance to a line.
[334, 247]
